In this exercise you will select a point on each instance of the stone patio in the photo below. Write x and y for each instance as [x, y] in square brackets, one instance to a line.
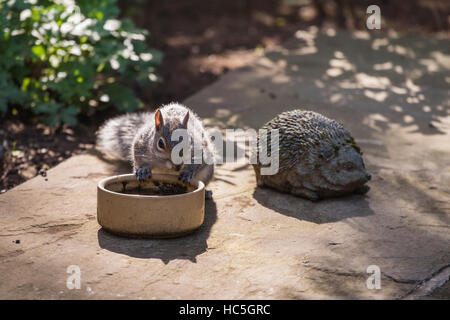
[391, 92]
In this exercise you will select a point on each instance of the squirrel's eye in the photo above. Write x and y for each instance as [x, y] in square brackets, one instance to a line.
[161, 144]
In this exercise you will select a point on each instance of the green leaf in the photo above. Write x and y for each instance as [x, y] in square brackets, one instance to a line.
[99, 15]
[48, 107]
[39, 51]
[69, 115]
[3, 105]
[122, 97]
[26, 81]
[53, 120]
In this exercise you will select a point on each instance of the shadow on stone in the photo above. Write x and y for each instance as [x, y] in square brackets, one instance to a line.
[186, 247]
[323, 211]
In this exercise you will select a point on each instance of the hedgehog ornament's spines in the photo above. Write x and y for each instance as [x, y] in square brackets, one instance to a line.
[304, 130]
[316, 154]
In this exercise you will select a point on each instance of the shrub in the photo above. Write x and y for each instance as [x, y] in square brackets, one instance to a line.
[59, 59]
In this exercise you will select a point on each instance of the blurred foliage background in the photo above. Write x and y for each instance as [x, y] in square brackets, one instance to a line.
[59, 59]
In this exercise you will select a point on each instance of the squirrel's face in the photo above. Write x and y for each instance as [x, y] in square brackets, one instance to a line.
[163, 150]
[163, 144]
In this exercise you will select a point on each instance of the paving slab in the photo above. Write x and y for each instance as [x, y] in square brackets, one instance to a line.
[391, 92]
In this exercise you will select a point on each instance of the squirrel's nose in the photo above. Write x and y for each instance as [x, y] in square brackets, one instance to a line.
[368, 176]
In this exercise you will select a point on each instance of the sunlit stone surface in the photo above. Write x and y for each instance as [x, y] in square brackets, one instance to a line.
[391, 94]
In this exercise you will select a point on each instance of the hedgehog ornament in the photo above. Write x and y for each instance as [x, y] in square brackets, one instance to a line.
[318, 158]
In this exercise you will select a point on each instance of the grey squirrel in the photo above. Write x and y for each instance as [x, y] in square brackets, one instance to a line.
[145, 139]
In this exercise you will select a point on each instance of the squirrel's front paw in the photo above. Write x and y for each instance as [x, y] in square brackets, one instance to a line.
[143, 174]
[185, 176]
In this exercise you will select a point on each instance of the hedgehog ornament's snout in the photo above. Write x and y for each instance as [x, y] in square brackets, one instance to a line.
[343, 171]
[318, 157]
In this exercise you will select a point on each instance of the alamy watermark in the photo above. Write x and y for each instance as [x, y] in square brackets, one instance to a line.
[74, 280]
[238, 145]
[374, 20]
[374, 281]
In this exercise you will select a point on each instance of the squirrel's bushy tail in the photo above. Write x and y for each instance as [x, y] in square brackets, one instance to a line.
[115, 137]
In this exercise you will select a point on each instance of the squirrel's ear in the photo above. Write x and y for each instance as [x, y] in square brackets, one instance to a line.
[159, 121]
[186, 119]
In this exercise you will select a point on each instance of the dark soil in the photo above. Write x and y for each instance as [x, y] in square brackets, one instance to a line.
[151, 188]
[163, 189]
[202, 40]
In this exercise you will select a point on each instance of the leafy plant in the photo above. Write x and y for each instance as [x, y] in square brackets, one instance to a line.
[62, 58]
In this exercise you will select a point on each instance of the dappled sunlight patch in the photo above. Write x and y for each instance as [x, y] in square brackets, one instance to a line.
[402, 51]
[342, 64]
[361, 35]
[393, 34]
[215, 100]
[339, 65]
[339, 55]
[442, 124]
[308, 37]
[442, 59]
[233, 121]
[398, 69]
[430, 64]
[379, 42]
[281, 78]
[306, 50]
[348, 85]
[308, 13]
[412, 100]
[282, 63]
[398, 90]
[372, 82]
[331, 32]
[377, 96]
[265, 62]
[383, 66]
[319, 84]
[373, 120]
[416, 73]
[388, 66]
[408, 119]
[334, 72]
[396, 108]
[426, 108]
[222, 113]
[336, 97]
[411, 86]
